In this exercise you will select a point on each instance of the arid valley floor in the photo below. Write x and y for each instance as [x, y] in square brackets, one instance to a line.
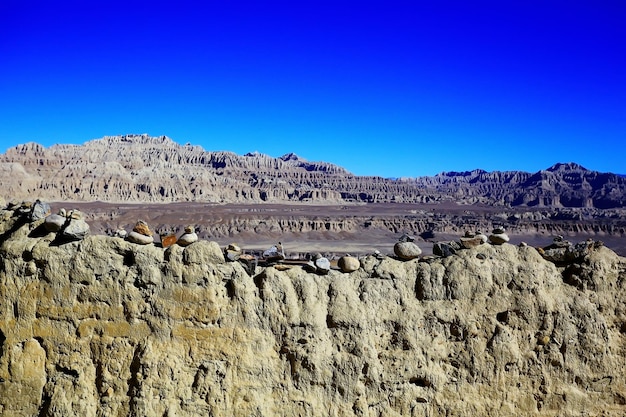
[354, 228]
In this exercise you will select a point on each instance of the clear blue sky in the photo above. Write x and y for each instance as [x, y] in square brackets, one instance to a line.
[382, 88]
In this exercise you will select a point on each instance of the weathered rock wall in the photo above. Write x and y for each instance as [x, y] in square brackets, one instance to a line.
[561, 185]
[140, 168]
[104, 327]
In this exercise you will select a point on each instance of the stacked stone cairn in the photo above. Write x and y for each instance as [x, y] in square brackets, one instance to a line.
[563, 252]
[498, 236]
[274, 254]
[76, 228]
[470, 240]
[318, 264]
[70, 226]
[190, 236]
[29, 211]
[574, 259]
[141, 234]
[233, 253]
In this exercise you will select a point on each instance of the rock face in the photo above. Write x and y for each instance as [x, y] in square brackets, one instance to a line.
[140, 168]
[105, 327]
[561, 185]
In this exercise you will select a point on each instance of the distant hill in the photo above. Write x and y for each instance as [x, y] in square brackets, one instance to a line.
[140, 168]
[561, 185]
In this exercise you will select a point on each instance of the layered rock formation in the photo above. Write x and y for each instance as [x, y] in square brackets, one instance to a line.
[562, 185]
[105, 327]
[140, 168]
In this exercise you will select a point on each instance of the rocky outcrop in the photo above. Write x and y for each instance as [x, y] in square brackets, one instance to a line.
[107, 327]
[140, 168]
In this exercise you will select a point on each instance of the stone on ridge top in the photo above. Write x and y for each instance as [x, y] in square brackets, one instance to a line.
[142, 227]
[407, 250]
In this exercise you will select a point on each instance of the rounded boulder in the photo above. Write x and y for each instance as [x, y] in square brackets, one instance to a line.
[348, 264]
[406, 250]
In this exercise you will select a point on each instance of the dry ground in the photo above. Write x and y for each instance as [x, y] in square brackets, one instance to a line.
[106, 216]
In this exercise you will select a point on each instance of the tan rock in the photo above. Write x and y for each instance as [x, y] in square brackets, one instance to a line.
[142, 227]
[471, 242]
[348, 263]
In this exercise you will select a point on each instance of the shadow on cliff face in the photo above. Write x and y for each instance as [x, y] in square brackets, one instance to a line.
[17, 222]
[2, 340]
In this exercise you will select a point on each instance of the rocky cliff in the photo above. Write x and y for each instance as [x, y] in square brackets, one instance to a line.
[561, 185]
[140, 168]
[104, 327]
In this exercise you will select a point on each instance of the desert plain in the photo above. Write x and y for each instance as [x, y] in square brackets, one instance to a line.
[305, 228]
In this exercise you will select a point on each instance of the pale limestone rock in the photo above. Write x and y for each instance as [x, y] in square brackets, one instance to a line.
[322, 264]
[407, 250]
[139, 238]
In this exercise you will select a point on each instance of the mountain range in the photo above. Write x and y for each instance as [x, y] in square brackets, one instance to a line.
[141, 168]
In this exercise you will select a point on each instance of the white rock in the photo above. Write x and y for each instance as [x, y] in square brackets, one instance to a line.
[187, 239]
[141, 239]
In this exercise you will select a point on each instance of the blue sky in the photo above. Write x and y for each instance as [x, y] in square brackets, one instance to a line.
[380, 88]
